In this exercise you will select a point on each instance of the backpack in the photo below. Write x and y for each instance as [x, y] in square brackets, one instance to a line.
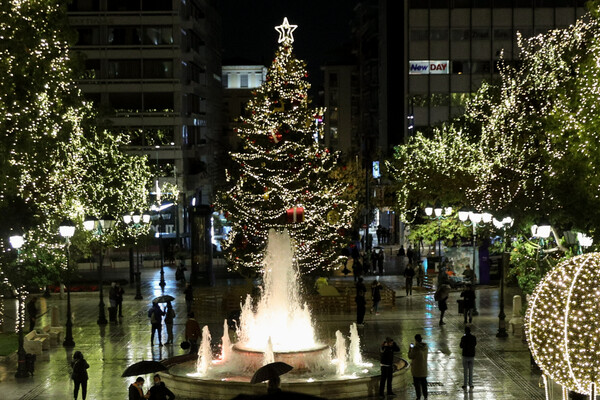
[152, 315]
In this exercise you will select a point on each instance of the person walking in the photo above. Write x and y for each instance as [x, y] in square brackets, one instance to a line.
[189, 296]
[388, 347]
[79, 375]
[376, 295]
[441, 296]
[192, 333]
[410, 254]
[468, 296]
[380, 257]
[120, 293]
[361, 302]
[401, 254]
[409, 273]
[112, 294]
[32, 312]
[160, 391]
[169, 316]
[467, 344]
[155, 314]
[417, 353]
[136, 390]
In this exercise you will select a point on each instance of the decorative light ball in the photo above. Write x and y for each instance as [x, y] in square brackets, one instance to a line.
[563, 323]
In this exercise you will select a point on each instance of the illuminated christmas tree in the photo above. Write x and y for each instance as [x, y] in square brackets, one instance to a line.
[282, 179]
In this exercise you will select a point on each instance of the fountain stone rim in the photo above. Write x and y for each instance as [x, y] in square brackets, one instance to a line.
[317, 348]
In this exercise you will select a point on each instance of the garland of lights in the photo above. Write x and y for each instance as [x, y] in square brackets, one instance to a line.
[283, 167]
[562, 325]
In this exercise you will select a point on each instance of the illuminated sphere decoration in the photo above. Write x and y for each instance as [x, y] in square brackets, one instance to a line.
[563, 323]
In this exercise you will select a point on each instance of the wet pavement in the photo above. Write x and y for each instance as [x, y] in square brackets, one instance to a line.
[502, 366]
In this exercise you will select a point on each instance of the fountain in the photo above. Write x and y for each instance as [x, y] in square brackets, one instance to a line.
[278, 328]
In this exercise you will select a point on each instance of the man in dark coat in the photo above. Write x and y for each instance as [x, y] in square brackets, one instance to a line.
[32, 311]
[159, 390]
[120, 293]
[361, 302]
[189, 296]
[192, 333]
[79, 374]
[387, 365]
[409, 273]
[155, 314]
[467, 344]
[468, 296]
[136, 389]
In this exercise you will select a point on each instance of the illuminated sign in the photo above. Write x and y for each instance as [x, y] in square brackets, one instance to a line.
[376, 170]
[428, 67]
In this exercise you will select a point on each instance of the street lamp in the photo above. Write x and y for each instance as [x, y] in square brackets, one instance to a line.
[438, 213]
[159, 233]
[16, 242]
[474, 219]
[503, 224]
[100, 227]
[67, 230]
[137, 220]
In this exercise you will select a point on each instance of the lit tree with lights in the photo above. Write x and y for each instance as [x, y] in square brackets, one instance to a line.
[55, 162]
[282, 179]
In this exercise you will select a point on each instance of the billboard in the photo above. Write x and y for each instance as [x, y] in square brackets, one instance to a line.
[429, 67]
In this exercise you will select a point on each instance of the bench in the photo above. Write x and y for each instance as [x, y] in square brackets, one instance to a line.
[54, 333]
[35, 343]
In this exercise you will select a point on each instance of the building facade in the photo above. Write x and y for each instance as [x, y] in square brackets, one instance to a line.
[451, 47]
[154, 69]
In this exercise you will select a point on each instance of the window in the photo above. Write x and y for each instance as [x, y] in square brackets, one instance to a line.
[158, 102]
[92, 69]
[419, 34]
[481, 67]
[439, 34]
[124, 35]
[125, 101]
[333, 79]
[460, 34]
[158, 35]
[156, 5]
[123, 5]
[460, 67]
[88, 36]
[124, 69]
[502, 34]
[480, 33]
[84, 5]
[225, 80]
[158, 69]
[243, 80]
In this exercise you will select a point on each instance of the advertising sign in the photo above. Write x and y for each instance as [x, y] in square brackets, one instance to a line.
[428, 67]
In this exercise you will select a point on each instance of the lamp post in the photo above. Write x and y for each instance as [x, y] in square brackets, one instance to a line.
[67, 230]
[137, 221]
[439, 213]
[159, 232]
[503, 224]
[16, 242]
[476, 220]
[100, 227]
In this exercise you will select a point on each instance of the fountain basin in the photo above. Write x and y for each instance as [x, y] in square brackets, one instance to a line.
[305, 360]
[227, 386]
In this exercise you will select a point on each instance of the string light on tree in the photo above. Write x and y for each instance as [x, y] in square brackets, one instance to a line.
[283, 177]
[563, 324]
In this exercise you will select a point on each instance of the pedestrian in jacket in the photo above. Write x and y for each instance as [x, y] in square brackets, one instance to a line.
[409, 273]
[376, 295]
[169, 316]
[120, 293]
[79, 374]
[420, 275]
[112, 295]
[159, 390]
[32, 311]
[136, 390]
[361, 302]
[417, 353]
[155, 314]
[467, 344]
[192, 333]
[388, 347]
[468, 296]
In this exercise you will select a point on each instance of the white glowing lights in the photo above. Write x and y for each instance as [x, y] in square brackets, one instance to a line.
[285, 31]
[563, 323]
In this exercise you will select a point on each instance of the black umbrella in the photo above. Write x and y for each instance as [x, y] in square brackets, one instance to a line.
[163, 299]
[270, 371]
[143, 368]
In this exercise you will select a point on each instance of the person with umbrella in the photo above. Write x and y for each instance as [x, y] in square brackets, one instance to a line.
[136, 390]
[155, 314]
[169, 316]
[271, 373]
[160, 391]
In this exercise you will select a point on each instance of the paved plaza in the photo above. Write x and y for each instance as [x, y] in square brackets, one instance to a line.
[502, 366]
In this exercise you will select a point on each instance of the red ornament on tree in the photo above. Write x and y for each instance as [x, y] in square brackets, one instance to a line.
[295, 215]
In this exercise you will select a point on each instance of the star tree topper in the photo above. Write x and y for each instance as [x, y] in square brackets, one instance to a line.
[285, 31]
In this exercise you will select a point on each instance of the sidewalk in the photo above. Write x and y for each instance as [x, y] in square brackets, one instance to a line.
[501, 367]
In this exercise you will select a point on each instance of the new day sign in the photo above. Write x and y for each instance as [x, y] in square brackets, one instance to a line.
[426, 67]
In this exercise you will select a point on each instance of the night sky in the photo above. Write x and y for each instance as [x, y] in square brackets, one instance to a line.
[249, 30]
